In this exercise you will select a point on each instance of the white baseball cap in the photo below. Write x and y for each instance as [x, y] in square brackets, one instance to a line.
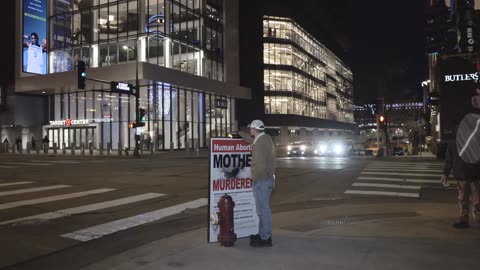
[257, 124]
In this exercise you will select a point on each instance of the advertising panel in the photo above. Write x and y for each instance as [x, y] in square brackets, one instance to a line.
[230, 173]
[35, 36]
[457, 77]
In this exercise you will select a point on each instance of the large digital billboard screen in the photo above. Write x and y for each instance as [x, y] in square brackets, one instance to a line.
[35, 36]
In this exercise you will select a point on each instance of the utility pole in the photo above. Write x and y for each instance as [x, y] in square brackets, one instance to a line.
[380, 111]
[136, 152]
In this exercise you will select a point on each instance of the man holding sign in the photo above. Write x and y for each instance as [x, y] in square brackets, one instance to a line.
[263, 176]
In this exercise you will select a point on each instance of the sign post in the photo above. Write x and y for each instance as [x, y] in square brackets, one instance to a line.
[230, 173]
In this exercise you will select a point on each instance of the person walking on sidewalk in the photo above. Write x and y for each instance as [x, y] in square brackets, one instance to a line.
[468, 178]
[34, 143]
[45, 142]
[263, 176]
[18, 142]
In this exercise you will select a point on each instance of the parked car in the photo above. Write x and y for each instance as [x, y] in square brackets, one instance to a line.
[398, 151]
[358, 152]
[300, 149]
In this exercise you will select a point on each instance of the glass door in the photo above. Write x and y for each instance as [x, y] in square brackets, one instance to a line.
[78, 138]
[66, 137]
[90, 136]
[53, 136]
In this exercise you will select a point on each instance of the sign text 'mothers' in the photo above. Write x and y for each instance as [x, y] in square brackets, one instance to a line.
[226, 158]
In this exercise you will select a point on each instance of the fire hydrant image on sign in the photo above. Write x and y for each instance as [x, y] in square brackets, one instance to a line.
[230, 174]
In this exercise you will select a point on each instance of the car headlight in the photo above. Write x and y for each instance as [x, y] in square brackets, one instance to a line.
[303, 147]
[338, 149]
[289, 148]
[322, 148]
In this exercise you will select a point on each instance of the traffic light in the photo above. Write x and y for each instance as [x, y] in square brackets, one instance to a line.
[141, 114]
[381, 121]
[136, 125]
[81, 74]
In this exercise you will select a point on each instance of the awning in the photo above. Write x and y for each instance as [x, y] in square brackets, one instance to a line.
[147, 74]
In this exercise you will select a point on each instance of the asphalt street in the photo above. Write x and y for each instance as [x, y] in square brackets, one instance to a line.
[52, 209]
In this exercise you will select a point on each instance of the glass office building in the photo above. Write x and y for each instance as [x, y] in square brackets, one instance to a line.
[301, 76]
[174, 49]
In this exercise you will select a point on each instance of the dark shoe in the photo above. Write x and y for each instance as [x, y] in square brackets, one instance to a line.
[461, 224]
[254, 238]
[262, 243]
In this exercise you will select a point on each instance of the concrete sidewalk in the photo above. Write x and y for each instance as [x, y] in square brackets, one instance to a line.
[346, 236]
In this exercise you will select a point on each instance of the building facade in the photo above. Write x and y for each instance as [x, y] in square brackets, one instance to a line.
[172, 50]
[301, 90]
[406, 125]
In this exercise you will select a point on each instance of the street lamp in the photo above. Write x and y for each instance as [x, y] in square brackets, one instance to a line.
[136, 152]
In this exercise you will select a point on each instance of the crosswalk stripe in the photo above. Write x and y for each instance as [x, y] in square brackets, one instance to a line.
[123, 224]
[87, 208]
[385, 185]
[399, 180]
[28, 163]
[409, 170]
[404, 174]
[8, 167]
[406, 164]
[57, 161]
[385, 193]
[54, 198]
[29, 190]
[404, 167]
[15, 183]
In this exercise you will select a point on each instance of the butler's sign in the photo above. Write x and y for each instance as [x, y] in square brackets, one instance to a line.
[462, 77]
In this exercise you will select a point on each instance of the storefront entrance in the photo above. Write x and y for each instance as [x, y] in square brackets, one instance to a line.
[73, 137]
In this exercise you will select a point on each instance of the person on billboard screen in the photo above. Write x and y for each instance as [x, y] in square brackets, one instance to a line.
[34, 55]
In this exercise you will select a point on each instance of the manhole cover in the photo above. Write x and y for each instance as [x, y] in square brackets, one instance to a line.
[343, 220]
[176, 264]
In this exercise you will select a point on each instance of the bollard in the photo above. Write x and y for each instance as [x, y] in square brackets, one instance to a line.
[55, 148]
[90, 149]
[82, 149]
[64, 149]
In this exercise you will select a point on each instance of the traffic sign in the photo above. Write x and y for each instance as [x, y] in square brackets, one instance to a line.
[120, 87]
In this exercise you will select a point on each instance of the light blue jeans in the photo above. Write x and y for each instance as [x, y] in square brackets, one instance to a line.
[261, 191]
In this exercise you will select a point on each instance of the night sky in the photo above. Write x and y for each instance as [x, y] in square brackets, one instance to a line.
[381, 40]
